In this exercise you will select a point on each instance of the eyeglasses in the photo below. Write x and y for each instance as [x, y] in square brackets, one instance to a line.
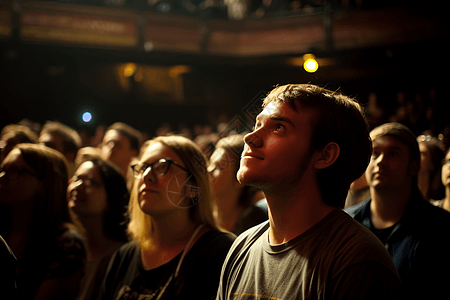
[159, 168]
[14, 173]
[87, 181]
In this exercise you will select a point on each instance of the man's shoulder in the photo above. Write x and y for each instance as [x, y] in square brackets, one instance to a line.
[246, 239]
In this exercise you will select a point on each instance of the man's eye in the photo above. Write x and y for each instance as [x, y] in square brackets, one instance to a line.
[278, 127]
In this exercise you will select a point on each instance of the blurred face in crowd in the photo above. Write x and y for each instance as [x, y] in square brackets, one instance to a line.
[53, 141]
[445, 176]
[19, 183]
[222, 171]
[116, 148]
[86, 192]
[390, 165]
[426, 161]
[163, 187]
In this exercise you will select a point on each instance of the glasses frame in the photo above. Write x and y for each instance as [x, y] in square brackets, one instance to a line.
[20, 171]
[168, 160]
[87, 181]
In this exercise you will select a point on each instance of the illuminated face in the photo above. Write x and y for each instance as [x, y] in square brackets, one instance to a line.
[390, 167]
[116, 148]
[278, 152]
[19, 183]
[445, 176]
[222, 171]
[159, 195]
[86, 192]
[426, 162]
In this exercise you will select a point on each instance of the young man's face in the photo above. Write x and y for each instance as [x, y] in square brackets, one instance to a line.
[278, 152]
[116, 148]
[390, 166]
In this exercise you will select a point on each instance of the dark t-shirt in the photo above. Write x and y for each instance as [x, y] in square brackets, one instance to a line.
[337, 258]
[56, 258]
[198, 277]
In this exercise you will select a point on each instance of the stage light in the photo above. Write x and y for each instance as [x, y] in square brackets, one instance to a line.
[129, 69]
[310, 63]
[87, 117]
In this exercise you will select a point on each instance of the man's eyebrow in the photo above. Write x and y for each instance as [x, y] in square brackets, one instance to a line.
[276, 117]
[389, 148]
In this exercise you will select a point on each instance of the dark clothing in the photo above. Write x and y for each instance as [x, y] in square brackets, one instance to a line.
[251, 216]
[419, 245]
[335, 259]
[198, 278]
[59, 257]
[8, 265]
[93, 276]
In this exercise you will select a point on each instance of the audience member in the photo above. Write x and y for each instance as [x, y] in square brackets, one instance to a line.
[14, 134]
[63, 139]
[429, 176]
[98, 195]
[37, 224]
[120, 144]
[307, 146]
[412, 230]
[207, 143]
[85, 154]
[234, 201]
[177, 250]
[445, 178]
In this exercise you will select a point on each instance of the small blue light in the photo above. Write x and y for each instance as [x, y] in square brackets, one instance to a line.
[87, 117]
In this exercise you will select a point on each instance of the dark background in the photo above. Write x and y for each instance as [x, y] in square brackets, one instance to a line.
[43, 81]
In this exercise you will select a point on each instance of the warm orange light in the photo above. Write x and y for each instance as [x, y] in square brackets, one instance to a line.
[129, 69]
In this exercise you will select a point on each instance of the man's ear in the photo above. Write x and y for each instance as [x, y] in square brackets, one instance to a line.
[327, 156]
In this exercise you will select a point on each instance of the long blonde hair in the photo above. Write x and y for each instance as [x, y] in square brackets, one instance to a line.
[194, 160]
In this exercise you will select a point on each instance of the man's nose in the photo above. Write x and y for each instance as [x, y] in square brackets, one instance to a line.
[253, 139]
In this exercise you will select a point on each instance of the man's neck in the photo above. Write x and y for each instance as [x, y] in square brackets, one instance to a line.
[292, 214]
[388, 207]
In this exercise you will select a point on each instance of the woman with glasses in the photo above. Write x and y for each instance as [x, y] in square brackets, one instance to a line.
[98, 195]
[177, 250]
[37, 225]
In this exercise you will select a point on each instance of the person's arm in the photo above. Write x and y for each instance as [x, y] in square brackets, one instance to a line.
[366, 280]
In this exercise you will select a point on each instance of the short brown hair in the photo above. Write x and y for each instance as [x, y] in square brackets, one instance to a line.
[340, 119]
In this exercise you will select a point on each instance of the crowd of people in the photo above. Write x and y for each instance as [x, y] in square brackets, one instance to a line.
[324, 199]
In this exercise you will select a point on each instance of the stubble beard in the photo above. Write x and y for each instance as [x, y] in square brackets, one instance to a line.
[276, 186]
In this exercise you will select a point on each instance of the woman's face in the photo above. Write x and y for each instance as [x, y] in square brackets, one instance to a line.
[222, 171]
[164, 193]
[426, 163]
[86, 192]
[445, 175]
[19, 183]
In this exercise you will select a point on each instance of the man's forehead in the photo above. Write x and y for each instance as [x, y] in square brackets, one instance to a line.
[274, 107]
[388, 141]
